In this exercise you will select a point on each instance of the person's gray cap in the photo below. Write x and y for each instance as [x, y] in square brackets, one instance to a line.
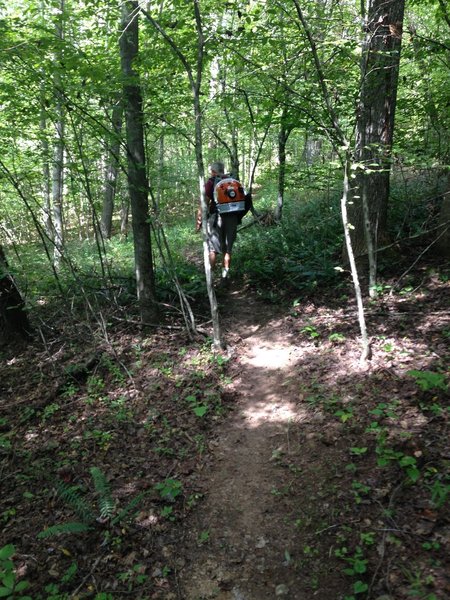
[218, 167]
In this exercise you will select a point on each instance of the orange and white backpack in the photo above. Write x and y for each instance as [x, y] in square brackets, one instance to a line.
[229, 196]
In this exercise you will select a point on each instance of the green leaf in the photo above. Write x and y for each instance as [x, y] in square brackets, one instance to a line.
[72, 495]
[7, 551]
[22, 585]
[360, 587]
[8, 580]
[166, 511]
[72, 527]
[360, 566]
[413, 474]
[201, 410]
[68, 575]
[428, 380]
[103, 489]
[169, 489]
[358, 451]
[128, 508]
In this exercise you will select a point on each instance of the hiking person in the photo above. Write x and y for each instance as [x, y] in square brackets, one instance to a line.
[221, 226]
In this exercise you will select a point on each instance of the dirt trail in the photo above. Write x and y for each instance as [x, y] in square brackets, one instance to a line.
[249, 513]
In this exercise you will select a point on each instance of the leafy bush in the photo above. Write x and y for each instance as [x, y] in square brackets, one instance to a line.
[298, 253]
[10, 588]
[415, 201]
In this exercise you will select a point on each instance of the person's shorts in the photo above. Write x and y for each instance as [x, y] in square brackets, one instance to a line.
[222, 232]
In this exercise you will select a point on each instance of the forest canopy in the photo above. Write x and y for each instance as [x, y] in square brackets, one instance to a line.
[294, 97]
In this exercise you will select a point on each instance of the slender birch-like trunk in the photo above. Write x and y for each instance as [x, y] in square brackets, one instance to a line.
[339, 142]
[58, 147]
[283, 136]
[195, 80]
[111, 171]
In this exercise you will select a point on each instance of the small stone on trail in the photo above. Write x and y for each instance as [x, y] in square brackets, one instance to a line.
[281, 590]
[318, 417]
[261, 543]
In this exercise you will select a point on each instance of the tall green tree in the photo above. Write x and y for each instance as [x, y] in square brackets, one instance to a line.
[383, 26]
[194, 66]
[137, 176]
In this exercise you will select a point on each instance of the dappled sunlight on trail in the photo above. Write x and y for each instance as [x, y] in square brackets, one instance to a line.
[257, 463]
[270, 358]
[270, 411]
[271, 363]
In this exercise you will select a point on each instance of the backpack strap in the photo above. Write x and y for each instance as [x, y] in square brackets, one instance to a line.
[217, 179]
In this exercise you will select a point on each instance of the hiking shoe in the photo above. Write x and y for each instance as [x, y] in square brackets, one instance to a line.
[224, 282]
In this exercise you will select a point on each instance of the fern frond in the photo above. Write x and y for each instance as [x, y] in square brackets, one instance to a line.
[103, 489]
[71, 527]
[72, 496]
[128, 508]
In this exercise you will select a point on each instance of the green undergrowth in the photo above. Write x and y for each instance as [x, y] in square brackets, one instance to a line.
[301, 253]
[416, 199]
[388, 523]
[108, 462]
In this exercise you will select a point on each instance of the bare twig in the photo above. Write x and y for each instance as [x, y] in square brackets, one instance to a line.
[395, 286]
[75, 592]
[382, 546]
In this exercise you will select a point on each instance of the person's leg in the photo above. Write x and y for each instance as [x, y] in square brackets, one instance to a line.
[214, 242]
[230, 227]
[226, 260]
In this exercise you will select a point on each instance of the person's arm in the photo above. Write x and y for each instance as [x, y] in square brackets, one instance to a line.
[198, 222]
[209, 193]
[209, 189]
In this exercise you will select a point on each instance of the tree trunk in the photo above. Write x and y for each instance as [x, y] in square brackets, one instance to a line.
[137, 177]
[13, 318]
[195, 87]
[46, 190]
[234, 148]
[347, 164]
[283, 136]
[375, 124]
[195, 83]
[124, 214]
[160, 176]
[312, 150]
[58, 150]
[111, 171]
[366, 349]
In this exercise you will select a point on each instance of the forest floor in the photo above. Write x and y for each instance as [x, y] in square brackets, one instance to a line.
[284, 468]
